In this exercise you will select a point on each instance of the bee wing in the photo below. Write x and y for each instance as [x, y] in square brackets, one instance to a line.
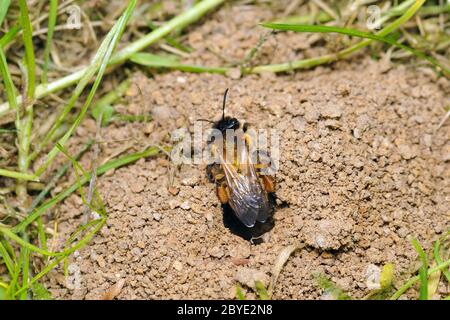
[247, 197]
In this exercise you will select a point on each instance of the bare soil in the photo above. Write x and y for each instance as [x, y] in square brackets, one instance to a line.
[362, 169]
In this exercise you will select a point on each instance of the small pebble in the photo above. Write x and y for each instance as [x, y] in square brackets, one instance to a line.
[185, 205]
[157, 216]
[177, 265]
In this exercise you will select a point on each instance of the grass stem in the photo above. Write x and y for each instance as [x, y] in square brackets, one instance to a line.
[24, 126]
[18, 175]
[308, 63]
[53, 12]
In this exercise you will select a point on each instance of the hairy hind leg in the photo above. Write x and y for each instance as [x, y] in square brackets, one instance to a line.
[222, 194]
[268, 183]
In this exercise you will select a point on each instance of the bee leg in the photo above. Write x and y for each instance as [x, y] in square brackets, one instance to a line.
[209, 172]
[214, 172]
[268, 183]
[222, 194]
[256, 240]
[248, 139]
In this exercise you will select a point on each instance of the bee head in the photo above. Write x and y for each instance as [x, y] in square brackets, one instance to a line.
[227, 123]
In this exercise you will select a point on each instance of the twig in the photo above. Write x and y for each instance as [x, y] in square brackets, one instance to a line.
[447, 115]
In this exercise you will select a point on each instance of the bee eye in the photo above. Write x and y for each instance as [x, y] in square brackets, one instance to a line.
[234, 124]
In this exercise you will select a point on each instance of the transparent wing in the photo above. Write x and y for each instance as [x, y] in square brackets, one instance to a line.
[247, 197]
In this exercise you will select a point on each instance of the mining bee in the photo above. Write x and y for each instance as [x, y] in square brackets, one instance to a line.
[242, 188]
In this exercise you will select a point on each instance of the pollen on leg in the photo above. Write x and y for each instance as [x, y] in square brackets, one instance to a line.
[222, 194]
[248, 139]
[268, 183]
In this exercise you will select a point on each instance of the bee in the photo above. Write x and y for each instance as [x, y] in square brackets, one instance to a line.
[240, 185]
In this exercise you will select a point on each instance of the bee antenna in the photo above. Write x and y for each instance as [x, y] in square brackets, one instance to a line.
[205, 120]
[224, 102]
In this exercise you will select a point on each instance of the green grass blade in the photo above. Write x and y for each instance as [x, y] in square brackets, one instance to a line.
[414, 279]
[9, 36]
[12, 288]
[25, 244]
[95, 203]
[103, 105]
[437, 258]
[177, 23]
[239, 293]
[331, 288]
[40, 292]
[433, 283]
[3, 131]
[353, 33]
[25, 268]
[78, 168]
[99, 224]
[80, 230]
[391, 27]
[27, 35]
[261, 290]
[435, 10]
[423, 275]
[171, 41]
[4, 6]
[56, 177]
[321, 17]
[41, 234]
[18, 175]
[4, 291]
[10, 250]
[9, 263]
[104, 57]
[53, 12]
[7, 81]
[24, 125]
[88, 74]
[152, 60]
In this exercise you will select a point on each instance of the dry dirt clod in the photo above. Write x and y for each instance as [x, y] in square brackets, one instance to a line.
[331, 111]
[248, 277]
[177, 265]
[114, 291]
[407, 152]
[216, 252]
[373, 274]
